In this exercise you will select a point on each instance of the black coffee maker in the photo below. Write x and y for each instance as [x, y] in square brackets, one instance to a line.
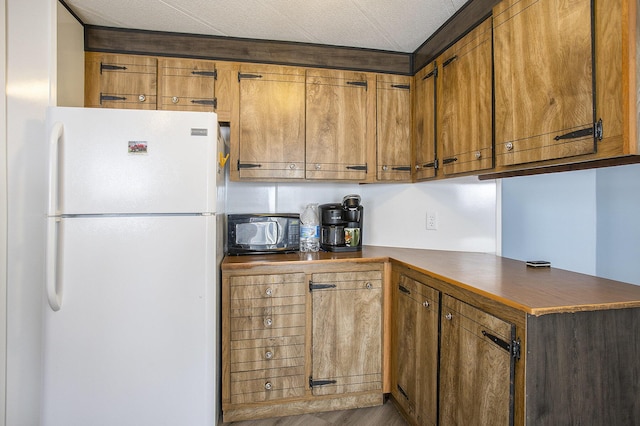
[341, 225]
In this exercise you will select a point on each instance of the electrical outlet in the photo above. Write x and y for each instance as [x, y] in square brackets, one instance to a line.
[432, 220]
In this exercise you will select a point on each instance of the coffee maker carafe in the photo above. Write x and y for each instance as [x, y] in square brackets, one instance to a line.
[341, 225]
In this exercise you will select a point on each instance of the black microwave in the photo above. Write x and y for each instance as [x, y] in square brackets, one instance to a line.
[263, 233]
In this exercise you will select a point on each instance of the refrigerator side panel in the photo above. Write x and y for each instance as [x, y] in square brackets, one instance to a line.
[134, 340]
[135, 161]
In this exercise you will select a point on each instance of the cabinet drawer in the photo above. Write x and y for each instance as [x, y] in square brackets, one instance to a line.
[281, 303]
[418, 292]
[267, 357]
[265, 385]
[267, 326]
[267, 287]
[350, 280]
[247, 308]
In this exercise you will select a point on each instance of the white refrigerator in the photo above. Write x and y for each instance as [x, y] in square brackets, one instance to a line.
[132, 277]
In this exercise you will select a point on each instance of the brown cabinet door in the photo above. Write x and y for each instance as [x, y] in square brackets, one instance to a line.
[424, 123]
[337, 131]
[415, 349]
[544, 102]
[120, 81]
[464, 111]
[394, 128]
[186, 85]
[346, 332]
[476, 366]
[271, 123]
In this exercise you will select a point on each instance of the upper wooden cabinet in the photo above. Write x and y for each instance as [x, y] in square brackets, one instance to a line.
[393, 144]
[271, 123]
[186, 85]
[120, 81]
[340, 124]
[464, 110]
[424, 123]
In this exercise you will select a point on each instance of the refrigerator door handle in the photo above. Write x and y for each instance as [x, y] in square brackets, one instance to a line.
[53, 286]
[54, 142]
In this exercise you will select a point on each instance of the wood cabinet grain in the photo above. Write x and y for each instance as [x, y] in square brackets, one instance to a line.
[301, 339]
[271, 123]
[120, 81]
[464, 103]
[340, 124]
[186, 85]
[393, 119]
[544, 80]
[424, 123]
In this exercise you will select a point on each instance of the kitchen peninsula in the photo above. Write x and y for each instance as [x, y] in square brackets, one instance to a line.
[501, 341]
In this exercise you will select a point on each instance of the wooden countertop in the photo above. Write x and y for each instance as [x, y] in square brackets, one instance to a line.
[536, 291]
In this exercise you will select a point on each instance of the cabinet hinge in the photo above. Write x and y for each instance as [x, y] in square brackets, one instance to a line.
[433, 73]
[512, 347]
[401, 86]
[247, 165]
[213, 73]
[313, 286]
[313, 383]
[404, 289]
[358, 167]
[403, 392]
[448, 61]
[241, 76]
[213, 102]
[359, 84]
[596, 131]
[110, 67]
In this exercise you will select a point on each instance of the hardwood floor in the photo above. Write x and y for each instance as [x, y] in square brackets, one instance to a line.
[385, 414]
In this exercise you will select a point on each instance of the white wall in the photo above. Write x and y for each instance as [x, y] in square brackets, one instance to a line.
[70, 59]
[30, 67]
[584, 221]
[551, 217]
[3, 213]
[394, 214]
[618, 227]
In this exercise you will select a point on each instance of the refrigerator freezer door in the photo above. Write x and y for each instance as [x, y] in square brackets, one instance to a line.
[134, 340]
[134, 161]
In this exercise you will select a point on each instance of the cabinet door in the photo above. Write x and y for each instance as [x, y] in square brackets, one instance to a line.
[337, 131]
[476, 366]
[544, 102]
[394, 124]
[424, 122]
[271, 123]
[464, 111]
[415, 349]
[346, 332]
[186, 85]
[120, 81]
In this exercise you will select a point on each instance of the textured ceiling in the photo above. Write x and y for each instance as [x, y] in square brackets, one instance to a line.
[393, 25]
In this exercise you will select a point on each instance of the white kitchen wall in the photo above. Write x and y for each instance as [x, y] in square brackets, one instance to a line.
[551, 217]
[618, 223]
[394, 214]
[583, 221]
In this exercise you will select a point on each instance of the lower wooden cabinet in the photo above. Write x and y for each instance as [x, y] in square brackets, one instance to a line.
[476, 366]
[415, 349]
[453, 363]
[300, 339]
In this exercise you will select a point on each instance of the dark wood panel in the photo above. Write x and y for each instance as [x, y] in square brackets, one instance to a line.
[584, 368]
[465, 19]
[105, 39]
